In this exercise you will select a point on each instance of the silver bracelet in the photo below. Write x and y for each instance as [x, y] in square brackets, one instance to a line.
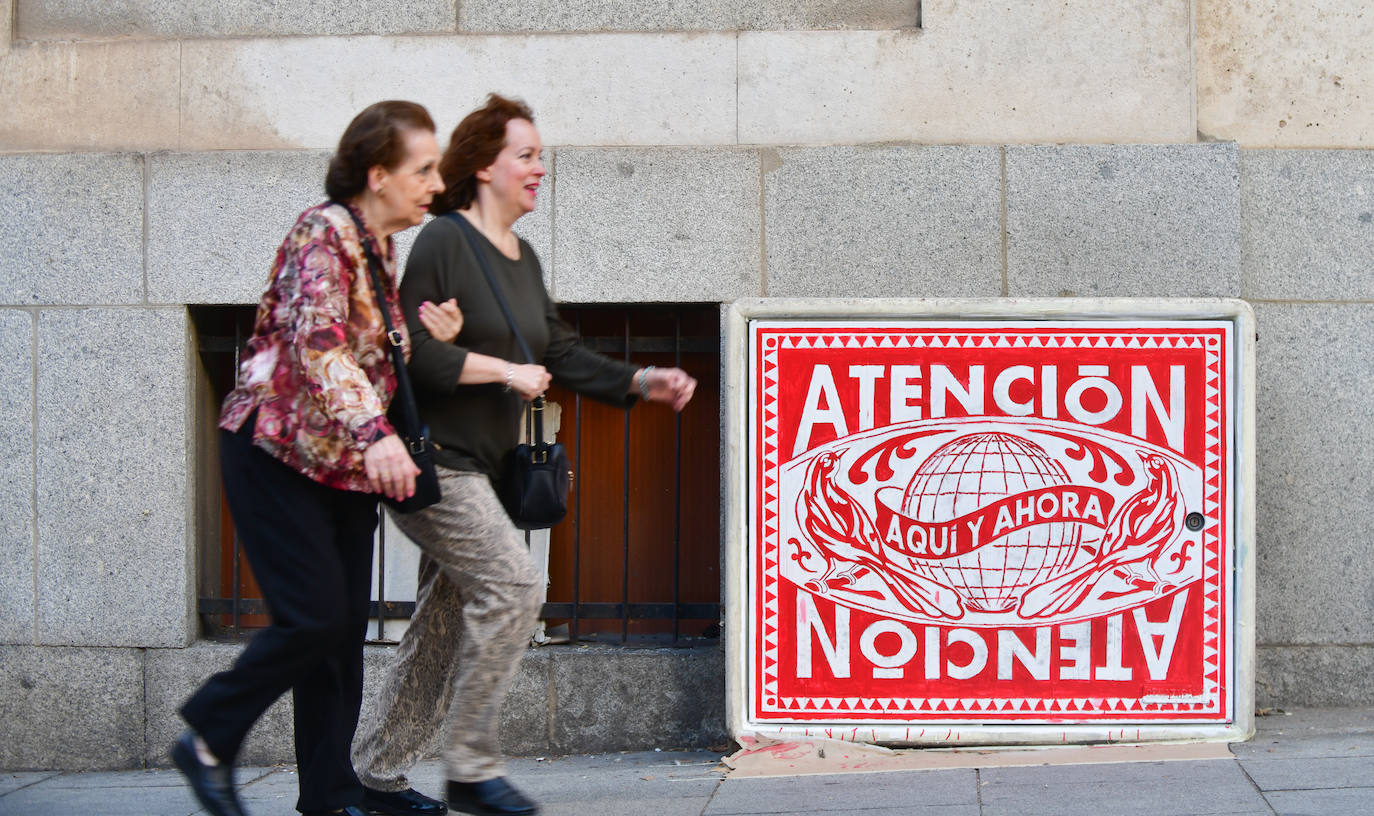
[644, 382]
[510, 377]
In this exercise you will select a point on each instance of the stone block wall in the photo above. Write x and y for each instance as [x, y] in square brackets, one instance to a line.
[154, 153]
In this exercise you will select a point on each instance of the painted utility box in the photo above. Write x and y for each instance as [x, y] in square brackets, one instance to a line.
[988, 522]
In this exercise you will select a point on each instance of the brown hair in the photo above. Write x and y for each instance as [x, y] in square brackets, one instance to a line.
[474, 145]
[376, 136]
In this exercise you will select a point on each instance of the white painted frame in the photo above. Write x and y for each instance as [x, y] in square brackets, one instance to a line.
[735, 373]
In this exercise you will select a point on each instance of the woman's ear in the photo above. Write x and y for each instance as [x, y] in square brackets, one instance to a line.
[483, 175]
[376, 178]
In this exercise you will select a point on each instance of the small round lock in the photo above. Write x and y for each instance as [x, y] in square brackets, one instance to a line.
[1194, 521]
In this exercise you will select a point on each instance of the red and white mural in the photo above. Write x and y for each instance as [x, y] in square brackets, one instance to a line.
[966, 523]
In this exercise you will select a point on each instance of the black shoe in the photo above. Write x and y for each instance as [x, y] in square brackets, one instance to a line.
[402, 803]
[493, 797]
[212, 784]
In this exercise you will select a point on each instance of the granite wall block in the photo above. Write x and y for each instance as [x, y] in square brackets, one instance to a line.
[1123, 220]
[71, 709]
[16, 476]
[1315, 676]
[1314, 500]
[215, 220]
[239, 205]
[629, 699]
[528, 710]
[1307, 224]
[659, 225]
[115, 560]
[173, 675]
[75, 223]
[883, 222]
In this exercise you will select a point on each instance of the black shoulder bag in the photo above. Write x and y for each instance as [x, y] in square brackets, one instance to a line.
[403, 414]
[535, 478]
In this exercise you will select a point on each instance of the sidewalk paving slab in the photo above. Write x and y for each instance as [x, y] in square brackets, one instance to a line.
[892, 791]
[1347, 802]
[1145, 788]
[11, 782]
[1307, 773]
[1312, 763]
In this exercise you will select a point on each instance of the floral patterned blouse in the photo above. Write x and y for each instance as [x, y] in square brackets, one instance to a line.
[317, 367]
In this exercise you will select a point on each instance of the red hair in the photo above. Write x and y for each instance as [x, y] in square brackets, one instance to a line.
[475, 143]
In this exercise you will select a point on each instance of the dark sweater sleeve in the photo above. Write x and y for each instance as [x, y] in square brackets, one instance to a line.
[576, 367]
[431, 272]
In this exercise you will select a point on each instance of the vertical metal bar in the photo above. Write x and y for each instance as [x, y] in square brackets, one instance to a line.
[238, 553]
[577, 512]
[381, 571]
[677, 485]
[625, 516]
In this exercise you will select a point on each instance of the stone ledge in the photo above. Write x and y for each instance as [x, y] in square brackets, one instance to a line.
[607, 699]
[71, 708]
[565, 699]
[1315, 676]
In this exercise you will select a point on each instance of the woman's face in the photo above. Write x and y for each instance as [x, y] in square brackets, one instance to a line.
[407, 189]
[515, 175]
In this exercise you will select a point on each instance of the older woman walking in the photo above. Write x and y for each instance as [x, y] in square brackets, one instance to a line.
[479, 589]
[306, 448]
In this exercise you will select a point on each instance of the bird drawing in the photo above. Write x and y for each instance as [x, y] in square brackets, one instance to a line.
[849, 544]
[1135, 548]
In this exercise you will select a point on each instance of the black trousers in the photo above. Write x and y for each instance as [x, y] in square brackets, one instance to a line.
[310, 547]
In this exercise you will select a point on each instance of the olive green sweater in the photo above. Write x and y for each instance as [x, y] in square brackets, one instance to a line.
[473, 426]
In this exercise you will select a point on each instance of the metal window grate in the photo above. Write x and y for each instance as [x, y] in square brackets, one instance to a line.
[665, 587]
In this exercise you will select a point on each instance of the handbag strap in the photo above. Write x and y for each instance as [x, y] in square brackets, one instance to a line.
[536, 406]
[407, 396]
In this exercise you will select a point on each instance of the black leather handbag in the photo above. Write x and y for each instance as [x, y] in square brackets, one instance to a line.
[403, 414]
[535, 476]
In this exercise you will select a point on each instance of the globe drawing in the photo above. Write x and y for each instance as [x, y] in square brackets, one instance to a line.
[969, 473]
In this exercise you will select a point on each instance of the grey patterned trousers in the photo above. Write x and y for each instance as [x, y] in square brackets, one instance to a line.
[478, 600]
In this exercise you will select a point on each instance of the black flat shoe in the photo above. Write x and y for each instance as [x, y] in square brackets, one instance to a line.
[493, 797]
[402, 803]
[213, 785]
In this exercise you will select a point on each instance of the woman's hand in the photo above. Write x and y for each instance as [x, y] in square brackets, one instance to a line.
[529, 381]
[668, 385]
[443, 321]
[390, 470]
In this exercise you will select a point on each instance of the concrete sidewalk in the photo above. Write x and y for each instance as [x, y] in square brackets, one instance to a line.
[1305, 762]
